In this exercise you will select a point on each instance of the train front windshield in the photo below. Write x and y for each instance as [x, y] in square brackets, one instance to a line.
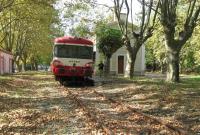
[73, 51]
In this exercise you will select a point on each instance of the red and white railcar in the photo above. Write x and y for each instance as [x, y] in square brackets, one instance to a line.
[72, 59]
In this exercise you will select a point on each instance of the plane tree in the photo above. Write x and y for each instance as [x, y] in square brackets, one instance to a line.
[109, 40]
[189, 54]
[177, 33]
[27, 30]
[6, 4]
[144, 29]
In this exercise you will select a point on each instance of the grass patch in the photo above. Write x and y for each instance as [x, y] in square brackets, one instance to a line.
[190, 82]
[178, 101]
[5, 78]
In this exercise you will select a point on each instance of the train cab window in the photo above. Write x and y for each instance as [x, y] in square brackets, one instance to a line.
[73, 51]
[85, 52]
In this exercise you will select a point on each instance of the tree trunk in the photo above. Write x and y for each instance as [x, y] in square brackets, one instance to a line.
[132, 53]
[131, 63]
[24, 60]
[25, 65]
[107, 66]
[154, 65]
[173, 63]
[32, 67]
[163, 67]
[13, 66]
[18, 66]
[36, 66]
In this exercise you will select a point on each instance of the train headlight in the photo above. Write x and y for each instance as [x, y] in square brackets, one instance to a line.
[57, 63]
[90, 64]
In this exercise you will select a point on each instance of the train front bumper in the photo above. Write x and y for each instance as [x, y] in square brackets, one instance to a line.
[73, 71]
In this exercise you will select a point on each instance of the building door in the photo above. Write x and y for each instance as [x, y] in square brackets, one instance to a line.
[120, 64]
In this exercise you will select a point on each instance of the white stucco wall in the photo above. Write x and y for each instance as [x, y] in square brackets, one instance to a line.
[114, 59]
[139, 63]
[139, 68]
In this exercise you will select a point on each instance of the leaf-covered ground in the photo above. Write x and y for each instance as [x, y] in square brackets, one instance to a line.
[33, 103]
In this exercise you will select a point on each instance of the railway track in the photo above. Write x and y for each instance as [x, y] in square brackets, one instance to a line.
[125, 119]
[94, 121]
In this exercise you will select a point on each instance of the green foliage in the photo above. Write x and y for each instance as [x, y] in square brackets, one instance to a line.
[82, 30]
[28, 29]
[155, 50]
[109, 40]
[80, 17]
[189, 56]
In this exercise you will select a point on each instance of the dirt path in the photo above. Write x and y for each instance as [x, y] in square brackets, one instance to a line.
[36, 104]
[113, 116]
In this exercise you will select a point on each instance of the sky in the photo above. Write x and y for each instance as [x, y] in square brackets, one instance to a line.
[136, 4]
[101, 10]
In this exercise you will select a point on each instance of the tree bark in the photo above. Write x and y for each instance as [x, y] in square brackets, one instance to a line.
[18, 66]
[132, 54]
[173, 63]
[24, 65]
[32, 67]
[154, 65]
[107, 66]
[131, 62]
[24, 60]
[163, 67]
[13, 66]
[36, 66]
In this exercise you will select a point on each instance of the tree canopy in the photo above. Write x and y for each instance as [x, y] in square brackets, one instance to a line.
[27, 30]
[178, 29]
[109, 40]
[143, 31]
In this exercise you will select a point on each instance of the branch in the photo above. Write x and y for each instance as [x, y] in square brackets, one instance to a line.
[117, 10]
[104, 5]
[195, 17]
[2, 41]
[132, 15]
[126, 26]
[147, 29]
[156, 12]
[3, 27]
[190, 13]
[147, 5]
[7, 5]
[189, 27]
[149, 33]
[143, 17]
[148, 16]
